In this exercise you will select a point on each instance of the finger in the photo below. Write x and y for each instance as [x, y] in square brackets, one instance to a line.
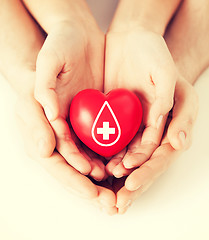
[143, 145]
[67, 147]
[110, 211]
[48, 67]
[97, 166]
[122, 211]
[184, 115]
[151, 169]
[97, 170]
[106, 197]
[124, 198]
[164, 81]
[111, 165]
[69, 177]
[114, 162]
[159, 162]
[120, 171]
[38, 134]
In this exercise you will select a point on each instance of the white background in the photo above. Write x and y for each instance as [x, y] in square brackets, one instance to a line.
[34, 206]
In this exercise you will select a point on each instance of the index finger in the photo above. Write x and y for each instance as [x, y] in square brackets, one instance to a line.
[153, 168]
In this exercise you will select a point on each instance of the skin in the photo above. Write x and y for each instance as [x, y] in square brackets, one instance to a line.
[21, 52]
[77, 66]
[136, 50]
[31, 115]
[188, 45]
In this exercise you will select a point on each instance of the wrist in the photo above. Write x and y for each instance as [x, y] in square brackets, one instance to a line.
[65, 26]
[72, 22]
[22, 80]
[152, 15]
[141, 24]
[56, 13]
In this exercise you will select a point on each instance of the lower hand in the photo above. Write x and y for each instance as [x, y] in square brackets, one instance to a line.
[182, 119]
[34, 126]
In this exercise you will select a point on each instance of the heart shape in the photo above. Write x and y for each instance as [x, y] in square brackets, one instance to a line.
[105, 123]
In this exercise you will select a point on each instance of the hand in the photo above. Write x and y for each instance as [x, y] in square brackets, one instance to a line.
[182, 118]
[33, 125]
[70, 60]
[20, 49]
[140, 61]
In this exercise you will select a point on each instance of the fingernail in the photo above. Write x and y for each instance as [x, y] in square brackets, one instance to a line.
[182, 137]
[159, 121]
[98, 179]
[117, 174]
[128, 164]
[48, 113]
[41, 146]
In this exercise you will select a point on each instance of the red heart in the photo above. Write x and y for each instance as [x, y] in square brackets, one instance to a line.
[106, 123]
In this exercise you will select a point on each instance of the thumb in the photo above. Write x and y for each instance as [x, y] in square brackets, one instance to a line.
[37, 133]
[164, 97]
[184, 115]
[47, 69]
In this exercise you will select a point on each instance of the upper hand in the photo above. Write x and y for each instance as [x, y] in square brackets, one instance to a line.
[140, 61]
[70, 60]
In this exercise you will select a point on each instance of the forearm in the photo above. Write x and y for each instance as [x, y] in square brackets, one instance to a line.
[153, 15]
[52, 12]
[188, 38]
[20, 42]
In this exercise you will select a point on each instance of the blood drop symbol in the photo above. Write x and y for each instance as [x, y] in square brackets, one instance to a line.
[106, 130]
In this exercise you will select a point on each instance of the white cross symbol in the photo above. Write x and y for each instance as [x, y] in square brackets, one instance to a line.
[106, 130]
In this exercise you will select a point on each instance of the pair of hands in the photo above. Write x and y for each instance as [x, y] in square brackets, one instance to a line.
[72, 59]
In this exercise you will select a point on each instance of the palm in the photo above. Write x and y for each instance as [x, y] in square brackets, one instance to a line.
[69, 83]
[80, 64]
[134, 61]
[76, 61]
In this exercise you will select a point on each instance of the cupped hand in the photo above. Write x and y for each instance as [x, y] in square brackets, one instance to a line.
[70, 60]
[34, 126]
[181, 119]
[139, 60]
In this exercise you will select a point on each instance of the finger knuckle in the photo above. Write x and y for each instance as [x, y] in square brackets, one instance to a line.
[148, 168]
[169, 103]
[39, 95]
[43, 54]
